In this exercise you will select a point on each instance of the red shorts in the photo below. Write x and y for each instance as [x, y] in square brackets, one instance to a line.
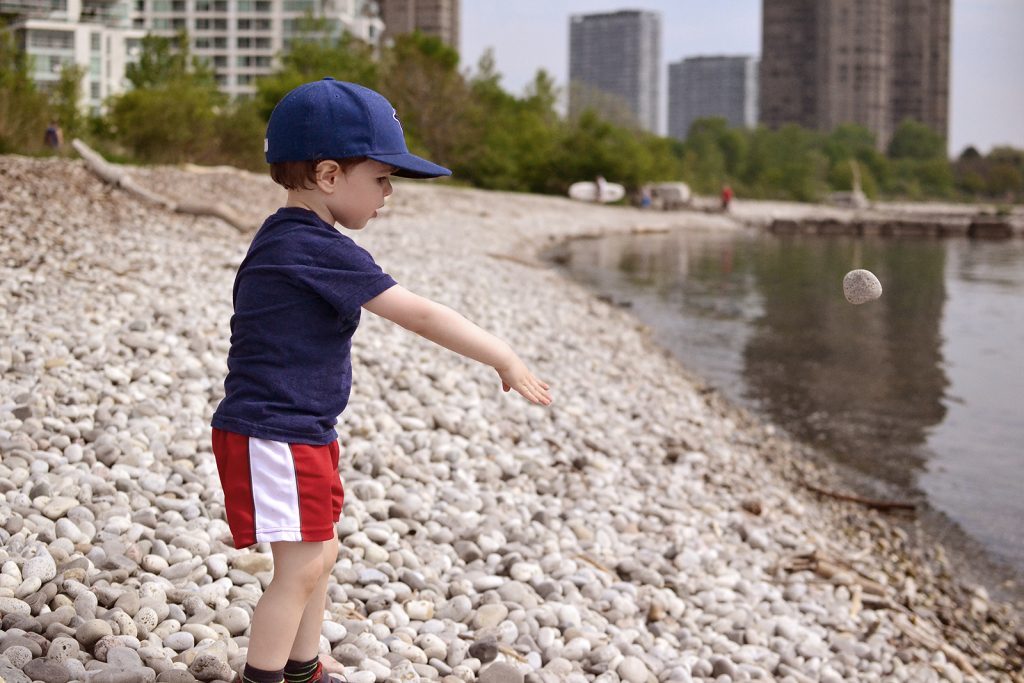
[276, 491]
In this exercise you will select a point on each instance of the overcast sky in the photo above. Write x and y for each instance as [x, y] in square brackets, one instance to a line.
[986, 74]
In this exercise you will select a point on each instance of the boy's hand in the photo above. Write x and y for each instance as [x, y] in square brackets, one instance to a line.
[444, 326]
[515, 375]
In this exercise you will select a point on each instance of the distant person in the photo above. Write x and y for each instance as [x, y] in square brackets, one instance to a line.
[645, 197]
[298, 295]
[54, 137]
[602, 189]
[726, 197]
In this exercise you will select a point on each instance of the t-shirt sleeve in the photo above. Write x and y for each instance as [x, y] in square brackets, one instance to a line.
[346, 276]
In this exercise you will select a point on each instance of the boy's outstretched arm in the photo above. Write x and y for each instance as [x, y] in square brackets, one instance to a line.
[443, 326]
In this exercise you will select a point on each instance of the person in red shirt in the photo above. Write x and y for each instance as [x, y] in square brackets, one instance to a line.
[726, 197]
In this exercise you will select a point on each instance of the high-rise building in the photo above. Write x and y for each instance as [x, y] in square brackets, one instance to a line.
[438, 18]
[870, 62]
[242, 38]
[93, 34]
[614, 65]
[700, 87]
[920, 84]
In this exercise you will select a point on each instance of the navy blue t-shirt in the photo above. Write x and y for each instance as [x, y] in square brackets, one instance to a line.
[297, 297]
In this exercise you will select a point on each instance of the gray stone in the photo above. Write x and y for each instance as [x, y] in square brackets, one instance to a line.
[371, 577]
[12, 639]
[484, 650]
[144, 675]
[207, 666]
[501, 672]
[633, 670]
[91, 631]
[18, 655]
[489, 616]
[63, 648]
[123, 658]
[175, 676]
[234, 619]
[48, 671]
[180, 641]
[721, 666]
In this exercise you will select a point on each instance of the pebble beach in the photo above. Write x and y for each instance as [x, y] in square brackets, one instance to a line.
[639, 530]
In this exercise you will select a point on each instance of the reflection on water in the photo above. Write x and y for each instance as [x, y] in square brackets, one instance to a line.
[920, 390]
[865, 381]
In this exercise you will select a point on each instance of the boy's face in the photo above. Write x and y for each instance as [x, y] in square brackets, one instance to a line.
[353, 197]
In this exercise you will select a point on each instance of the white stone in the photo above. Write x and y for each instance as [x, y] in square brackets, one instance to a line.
[861, 286]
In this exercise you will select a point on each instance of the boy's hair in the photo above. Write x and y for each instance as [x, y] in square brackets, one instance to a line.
[301, 175]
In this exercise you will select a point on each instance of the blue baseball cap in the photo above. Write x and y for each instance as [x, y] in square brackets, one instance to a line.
[331, 119]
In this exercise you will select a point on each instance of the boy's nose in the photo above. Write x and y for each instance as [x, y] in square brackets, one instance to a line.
[387, 188]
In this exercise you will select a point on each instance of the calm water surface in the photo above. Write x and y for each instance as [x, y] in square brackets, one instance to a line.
[919, 394]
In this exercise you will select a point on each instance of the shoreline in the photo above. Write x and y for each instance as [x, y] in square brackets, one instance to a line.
[731, 567]
[973, 562]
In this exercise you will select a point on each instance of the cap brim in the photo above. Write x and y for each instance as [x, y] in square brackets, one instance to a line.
[411, 166]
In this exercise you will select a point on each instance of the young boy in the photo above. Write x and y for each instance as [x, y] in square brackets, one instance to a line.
[297, 299]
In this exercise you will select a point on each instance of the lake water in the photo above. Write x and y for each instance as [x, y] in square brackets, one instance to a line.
[917, 395]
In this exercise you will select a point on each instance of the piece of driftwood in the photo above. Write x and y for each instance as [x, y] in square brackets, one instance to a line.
[217, 210]
[594, 563]
[515, 259]
[195, 168]
[866, 592]
[924, 635]
[836, 571]
[869, 502]
[118, 176]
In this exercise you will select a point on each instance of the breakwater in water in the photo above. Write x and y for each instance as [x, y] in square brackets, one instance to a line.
[979, 227]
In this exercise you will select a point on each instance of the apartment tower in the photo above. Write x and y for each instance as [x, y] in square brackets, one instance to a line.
[700, 87]
[438, 18]
[870, 62]
[241, 39]
[93, 34]
[614, 66]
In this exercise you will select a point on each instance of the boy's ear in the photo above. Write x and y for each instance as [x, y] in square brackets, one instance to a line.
[327, 172]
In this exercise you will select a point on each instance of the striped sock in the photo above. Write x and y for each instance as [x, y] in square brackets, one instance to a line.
[303, 672]
[254, 675]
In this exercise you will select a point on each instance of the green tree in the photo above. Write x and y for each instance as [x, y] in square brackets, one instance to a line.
[312, 57]
[23, 109]
[705, 165]
[855, 143]
[65, 101]
[165, 60]
[508, 142]
[914, 140]
[171, 114]
[239, 129]
[488, 153]
[786, 164]
[420, 77]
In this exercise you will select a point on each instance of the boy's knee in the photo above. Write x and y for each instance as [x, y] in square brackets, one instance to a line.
[329, 556]
[307, 577]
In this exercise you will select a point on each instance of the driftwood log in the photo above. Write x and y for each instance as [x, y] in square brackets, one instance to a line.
[869, 502]
[118, 176]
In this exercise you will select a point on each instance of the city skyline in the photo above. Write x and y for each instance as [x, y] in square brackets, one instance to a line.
[986, 109]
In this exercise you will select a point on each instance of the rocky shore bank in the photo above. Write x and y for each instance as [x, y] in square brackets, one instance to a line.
[638, 530]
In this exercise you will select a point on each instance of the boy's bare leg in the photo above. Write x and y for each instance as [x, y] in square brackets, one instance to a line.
[298, 570]
[307, 638]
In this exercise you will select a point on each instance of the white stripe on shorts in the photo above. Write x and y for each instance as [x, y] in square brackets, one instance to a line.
[275, 493]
